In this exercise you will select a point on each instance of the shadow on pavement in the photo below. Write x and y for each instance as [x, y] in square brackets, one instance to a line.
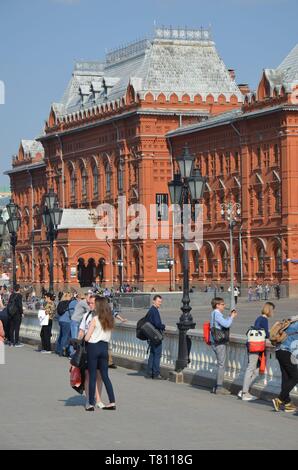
[74, 401]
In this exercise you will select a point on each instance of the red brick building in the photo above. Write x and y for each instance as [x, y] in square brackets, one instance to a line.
[114, 133]
[108, 137]
[251, 157]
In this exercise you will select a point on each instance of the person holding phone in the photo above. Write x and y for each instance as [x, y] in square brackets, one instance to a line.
[219, 340]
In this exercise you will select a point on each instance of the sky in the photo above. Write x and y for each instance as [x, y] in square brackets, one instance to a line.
[41, 39]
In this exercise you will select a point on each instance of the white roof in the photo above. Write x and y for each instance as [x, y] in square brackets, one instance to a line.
[175, 61]
[76, 218]
[286, 73]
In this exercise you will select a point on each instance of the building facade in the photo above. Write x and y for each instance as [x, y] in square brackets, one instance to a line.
[108, 138]
[117, 131]
[250, 157]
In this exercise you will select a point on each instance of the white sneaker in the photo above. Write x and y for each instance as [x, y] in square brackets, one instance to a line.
[100, 405]
[46, 352]
[240, 394]
[248, 397]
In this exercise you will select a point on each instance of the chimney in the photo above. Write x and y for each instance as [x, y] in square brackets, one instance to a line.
[232, 74]
[244, 88]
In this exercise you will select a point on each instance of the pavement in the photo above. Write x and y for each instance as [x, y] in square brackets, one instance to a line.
[39, 410]
[247, 313]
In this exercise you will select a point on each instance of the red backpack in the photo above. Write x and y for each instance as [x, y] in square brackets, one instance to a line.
[207, 332]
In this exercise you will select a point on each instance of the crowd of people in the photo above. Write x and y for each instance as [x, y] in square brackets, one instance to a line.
[91, 316]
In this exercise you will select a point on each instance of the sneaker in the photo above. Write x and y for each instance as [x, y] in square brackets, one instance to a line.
[100, 405]
[46, 352]
[18, 345]
[158, 377]
[112, 366]
[277, 403]
[248, 397]
[290, 408]
[148, 376]
[89, 408]
[239, 395]
[222, 391]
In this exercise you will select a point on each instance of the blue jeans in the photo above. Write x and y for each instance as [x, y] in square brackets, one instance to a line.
[74, 331]
[154, 360]
[64, 337]
[98, 358]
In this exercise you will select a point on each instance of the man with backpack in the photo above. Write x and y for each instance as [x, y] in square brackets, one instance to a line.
[219, 339]
[284, 335]
[15, 315]
[153, 317]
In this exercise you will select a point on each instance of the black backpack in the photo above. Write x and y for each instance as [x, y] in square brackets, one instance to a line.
[139, 333]
[147, 332]
[12, 307]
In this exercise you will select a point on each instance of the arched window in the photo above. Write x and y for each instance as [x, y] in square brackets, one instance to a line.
[84, 178]
[261, 260]
[108, 177]
[224, 261]
[278, 260]
[95, 176]
[120, 172]
[277, 198]
[72, 184]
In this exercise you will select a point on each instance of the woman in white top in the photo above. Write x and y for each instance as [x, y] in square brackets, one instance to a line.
[97, 338]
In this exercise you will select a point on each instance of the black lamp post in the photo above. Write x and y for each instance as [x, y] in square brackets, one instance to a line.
[13, 225]
[120, 264]
[51, 217]
[170, 265]
[187, 187]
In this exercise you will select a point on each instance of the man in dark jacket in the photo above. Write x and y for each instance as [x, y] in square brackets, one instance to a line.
[15, 315]
[153, 369]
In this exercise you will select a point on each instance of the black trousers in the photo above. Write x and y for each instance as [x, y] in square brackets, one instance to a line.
[45, 334]
[289, 373]
[14, 328]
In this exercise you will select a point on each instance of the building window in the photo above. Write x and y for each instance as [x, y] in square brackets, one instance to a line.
[278, 260]
[261, 260]
[196, 261]
[162, 210]
[221, 164]
[260, 202]
[207, 165]
[108, 178]
[266, 156]
[213, 165]
[237, 162]
[277, 197]
[84, 182]
[259, 157]
[228, 163]
[276, 154]
[120, 176]
[225, 261]
[95, 182]
[73, 185]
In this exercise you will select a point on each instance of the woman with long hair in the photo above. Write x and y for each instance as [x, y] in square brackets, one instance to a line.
[97, 338]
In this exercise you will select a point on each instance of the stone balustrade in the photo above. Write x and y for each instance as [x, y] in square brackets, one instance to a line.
[202, 367]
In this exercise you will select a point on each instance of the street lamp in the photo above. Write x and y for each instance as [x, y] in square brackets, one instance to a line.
[51, 217]
[187, 186]
[170, 264]
[13, 225]
[120, 264]
[232, 213]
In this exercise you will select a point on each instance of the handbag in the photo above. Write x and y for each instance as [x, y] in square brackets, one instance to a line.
[220, 336]
[80, 356]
